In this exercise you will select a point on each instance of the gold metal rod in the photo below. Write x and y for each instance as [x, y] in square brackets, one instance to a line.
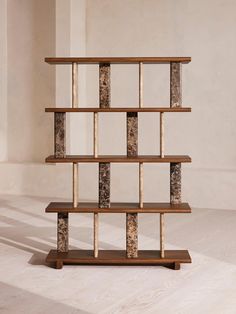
[141, 184]
[162, 134]
[162, 235]
[75, 184]
[140, 84]
[74, 85]
[95, 134]
[95, 235]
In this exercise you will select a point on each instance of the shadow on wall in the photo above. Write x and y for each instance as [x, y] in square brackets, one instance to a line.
[31, 82]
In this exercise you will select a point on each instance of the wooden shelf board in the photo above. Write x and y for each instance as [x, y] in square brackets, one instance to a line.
[93, 207]
[119, 158]
[130, 109]
[96, 60]
[118, 257]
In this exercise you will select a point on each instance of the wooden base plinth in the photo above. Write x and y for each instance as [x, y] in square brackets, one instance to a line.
[172, 259]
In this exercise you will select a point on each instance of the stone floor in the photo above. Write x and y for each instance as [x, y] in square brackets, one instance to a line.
[29, 286]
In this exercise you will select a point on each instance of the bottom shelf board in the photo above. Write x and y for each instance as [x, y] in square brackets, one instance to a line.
[118, 257]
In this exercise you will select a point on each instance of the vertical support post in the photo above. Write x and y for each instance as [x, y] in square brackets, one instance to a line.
[162, 248]
[175, 84]
[132, 134]
[132, 235]
[60, 134]
[140, 84]
[104, 184]
[104, 168]
[75, 184]
[141, 184]
[132, 219]
[162, 134]
[95, 234]
[62, 232]
[175, 183]
[95, 134]
[75, 105]
[104, 85]
[75, 96]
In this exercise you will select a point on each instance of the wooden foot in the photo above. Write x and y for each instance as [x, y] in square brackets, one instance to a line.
[59, 265]
[174, 266]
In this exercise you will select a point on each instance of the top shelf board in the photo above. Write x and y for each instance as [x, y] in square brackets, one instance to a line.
[97, 60]
[110, 109]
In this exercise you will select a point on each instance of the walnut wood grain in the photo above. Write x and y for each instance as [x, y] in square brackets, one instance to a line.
[88, 60]
[121, 207]
[120, 109]
[118, 257]
[120, 158]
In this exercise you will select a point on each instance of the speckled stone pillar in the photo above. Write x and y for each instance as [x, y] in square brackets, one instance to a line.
[104, 184]
[62, 232]
[132, 235]
[104, 102]
[132, 219]
[132, 133]
[104, 85]
[60, 134]
[175, 183]
[175, 85]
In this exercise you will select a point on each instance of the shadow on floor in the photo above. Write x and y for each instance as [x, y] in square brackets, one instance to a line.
[205, 231]
[37, 239]
[16, 300]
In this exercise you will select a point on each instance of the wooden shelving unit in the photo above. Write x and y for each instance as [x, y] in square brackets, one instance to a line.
[130, 256]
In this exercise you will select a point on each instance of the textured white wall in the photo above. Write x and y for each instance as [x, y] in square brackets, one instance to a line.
[3, 80]
[200, 29]
[31, 84]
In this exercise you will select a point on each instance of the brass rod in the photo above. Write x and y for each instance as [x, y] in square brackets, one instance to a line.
[162, 235]
[95, 134]
[75, 184]
[140, 84]
[74, 85]
[162, 134]
[141, 184]
[95, 234]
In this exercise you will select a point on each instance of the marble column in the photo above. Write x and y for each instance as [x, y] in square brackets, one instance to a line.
[60, 134]
[132, 235]
[104, 184]
[62, 232]
[104, 102]
[104, 85]
[132, 219]
[132, 133]
[175, 183]
[175, 84]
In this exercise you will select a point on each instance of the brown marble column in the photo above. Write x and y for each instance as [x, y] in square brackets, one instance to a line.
[132, 133]
[104, 102]
[132, 219]
[175, 84]
[175, 183]
[60, 134]
[62, 232]
[104, 85]
[104, 184]
[132, 235]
